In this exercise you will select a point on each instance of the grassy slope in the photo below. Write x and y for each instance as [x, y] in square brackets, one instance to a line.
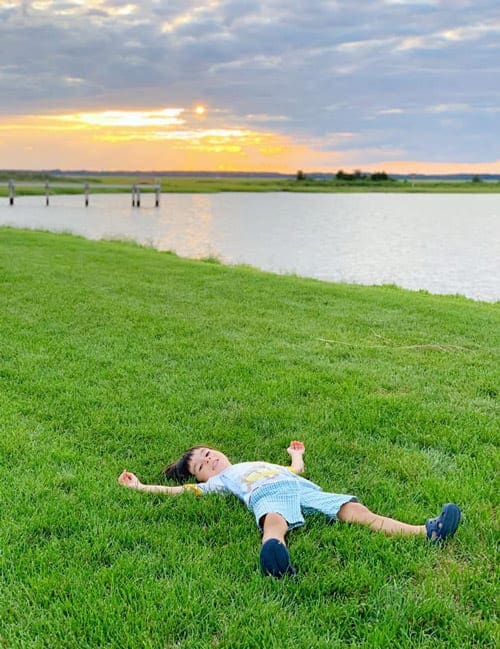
[115, 356]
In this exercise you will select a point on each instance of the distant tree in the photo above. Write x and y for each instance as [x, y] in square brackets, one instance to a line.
[358, 175]
[301, 175]
[379, 176]
[341, 175]
[476, 179]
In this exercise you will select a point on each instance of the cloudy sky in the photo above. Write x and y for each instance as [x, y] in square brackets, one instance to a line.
[273, 85]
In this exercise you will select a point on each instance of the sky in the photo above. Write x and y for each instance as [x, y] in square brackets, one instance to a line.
[402, 86]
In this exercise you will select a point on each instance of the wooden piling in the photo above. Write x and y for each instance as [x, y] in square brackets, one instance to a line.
[47, 193]
[138, 198]
[11, 192]
[86, 189]
[157, 196]
[134, 190]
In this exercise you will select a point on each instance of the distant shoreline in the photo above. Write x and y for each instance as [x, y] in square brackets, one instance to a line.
[34, 182]
[5, 174]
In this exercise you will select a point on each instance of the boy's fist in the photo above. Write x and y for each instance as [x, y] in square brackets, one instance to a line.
[127, 479]
[296, 447]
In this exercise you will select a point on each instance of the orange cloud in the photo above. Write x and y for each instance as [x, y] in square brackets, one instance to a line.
[153, 139]
[123, 118]
[172, 138]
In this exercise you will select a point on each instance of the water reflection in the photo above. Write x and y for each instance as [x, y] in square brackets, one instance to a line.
[445, 243]
[190, 228]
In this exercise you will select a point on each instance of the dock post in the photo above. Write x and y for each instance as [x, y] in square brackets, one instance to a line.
[157, 197]
[11, 192]
[47, 192]
[134, 189]
[138, 200]
[86, 190]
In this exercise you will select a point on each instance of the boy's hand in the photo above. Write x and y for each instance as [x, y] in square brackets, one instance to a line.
[296, 448]
[130, 480]
[296, 452]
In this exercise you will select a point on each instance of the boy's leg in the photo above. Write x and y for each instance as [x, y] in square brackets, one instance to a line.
[353, 512]
[274, 526]
[274, 556]
[276, 508]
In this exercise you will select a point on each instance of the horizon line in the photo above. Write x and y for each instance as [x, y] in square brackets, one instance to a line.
[206, 172]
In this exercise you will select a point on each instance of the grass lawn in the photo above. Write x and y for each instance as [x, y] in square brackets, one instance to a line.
[114, 356]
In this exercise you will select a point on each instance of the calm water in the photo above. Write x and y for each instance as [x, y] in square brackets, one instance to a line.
[444, 243]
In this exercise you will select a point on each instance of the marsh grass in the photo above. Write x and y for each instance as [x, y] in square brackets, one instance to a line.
[114, 356]
[252, 183]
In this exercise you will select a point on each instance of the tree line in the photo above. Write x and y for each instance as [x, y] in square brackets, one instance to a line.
[357, 175]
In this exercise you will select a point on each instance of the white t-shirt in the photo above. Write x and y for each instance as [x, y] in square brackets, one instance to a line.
[244, 478]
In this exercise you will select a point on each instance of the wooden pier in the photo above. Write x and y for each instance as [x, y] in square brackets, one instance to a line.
[85, 188]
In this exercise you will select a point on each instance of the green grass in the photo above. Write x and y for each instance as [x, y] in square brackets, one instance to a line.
[115, 356]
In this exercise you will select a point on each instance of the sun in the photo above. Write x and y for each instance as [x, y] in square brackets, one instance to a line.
[200, 110]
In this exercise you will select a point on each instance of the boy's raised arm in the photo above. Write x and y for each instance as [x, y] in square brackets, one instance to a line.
[296, 452]
[127, 479]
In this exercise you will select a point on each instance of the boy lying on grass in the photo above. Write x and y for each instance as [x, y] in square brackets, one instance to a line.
[279, 500]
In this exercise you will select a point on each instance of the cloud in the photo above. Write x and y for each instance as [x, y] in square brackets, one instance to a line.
[265, 118]
[391, 111]
[125, 118]
[389, 71]
[450, 108]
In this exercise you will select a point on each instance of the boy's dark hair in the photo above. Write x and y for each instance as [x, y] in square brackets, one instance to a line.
[178, 471]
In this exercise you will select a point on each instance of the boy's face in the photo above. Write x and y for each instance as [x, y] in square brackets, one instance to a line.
[207, 462]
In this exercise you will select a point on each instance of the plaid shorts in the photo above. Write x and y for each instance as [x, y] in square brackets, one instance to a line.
[294, 500]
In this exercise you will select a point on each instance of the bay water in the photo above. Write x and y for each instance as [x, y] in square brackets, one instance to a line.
[442, 243]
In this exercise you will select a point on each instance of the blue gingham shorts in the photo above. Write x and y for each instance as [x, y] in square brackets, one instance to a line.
[294, 500]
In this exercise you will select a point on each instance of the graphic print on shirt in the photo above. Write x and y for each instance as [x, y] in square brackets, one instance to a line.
[245, 478]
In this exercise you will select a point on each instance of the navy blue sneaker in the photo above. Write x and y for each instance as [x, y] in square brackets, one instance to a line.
[445, 525]
[275, 559]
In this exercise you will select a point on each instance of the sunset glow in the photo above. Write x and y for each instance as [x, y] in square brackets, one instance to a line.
[410, 87]
[124, 118]
[163, 138]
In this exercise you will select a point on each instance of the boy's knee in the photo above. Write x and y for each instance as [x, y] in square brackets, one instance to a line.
[272, 518]
[352, 512]
[273, 526]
